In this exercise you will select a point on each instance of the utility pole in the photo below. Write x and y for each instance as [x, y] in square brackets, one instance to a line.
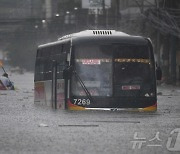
[142, 19]
[104, 13]
[48, 9]
[158, 37]
[173, 48]
[96, 19]
[165, 58]
[117, 15]
[48, 17]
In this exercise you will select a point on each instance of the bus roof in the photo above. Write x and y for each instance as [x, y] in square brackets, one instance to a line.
[99, 35]
[94, 33]
[104, 36]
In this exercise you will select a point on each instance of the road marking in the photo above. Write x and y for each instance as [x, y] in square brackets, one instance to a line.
[117, 121]
[78, 125]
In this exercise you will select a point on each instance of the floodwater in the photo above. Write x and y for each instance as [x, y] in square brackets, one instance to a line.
[29, 128]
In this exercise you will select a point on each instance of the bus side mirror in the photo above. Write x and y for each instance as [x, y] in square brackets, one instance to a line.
[67, 72]
[158, 73]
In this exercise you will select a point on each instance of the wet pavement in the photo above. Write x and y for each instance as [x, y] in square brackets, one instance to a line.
[28, 128]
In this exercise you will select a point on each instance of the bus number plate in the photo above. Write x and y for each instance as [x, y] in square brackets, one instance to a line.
[82, 102]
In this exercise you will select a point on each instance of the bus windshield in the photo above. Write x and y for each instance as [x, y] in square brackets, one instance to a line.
[93, 64]
[113, 70]
[133, 71]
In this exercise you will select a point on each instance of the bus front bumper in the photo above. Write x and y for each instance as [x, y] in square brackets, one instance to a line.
[152, 108]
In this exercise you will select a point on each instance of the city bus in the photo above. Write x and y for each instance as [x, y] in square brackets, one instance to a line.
[97, 70]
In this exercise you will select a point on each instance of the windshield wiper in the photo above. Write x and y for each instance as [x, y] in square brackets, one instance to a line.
[83, 85]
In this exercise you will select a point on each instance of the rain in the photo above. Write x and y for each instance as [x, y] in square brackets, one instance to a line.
[29, 127]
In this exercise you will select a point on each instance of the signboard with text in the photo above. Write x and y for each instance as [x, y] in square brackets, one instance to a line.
[95, 4]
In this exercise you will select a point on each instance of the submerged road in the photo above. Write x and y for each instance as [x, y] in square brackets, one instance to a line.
[28, 128]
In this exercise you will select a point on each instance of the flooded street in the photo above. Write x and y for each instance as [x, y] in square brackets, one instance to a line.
[90, 54]
[28, 128]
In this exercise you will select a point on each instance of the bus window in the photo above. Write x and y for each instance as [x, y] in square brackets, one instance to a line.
[60, 68]
[39, 71]
[93, 64]
[133, 73]
[43, 69]
[66, 47]
[48, 69]
[131, 51]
